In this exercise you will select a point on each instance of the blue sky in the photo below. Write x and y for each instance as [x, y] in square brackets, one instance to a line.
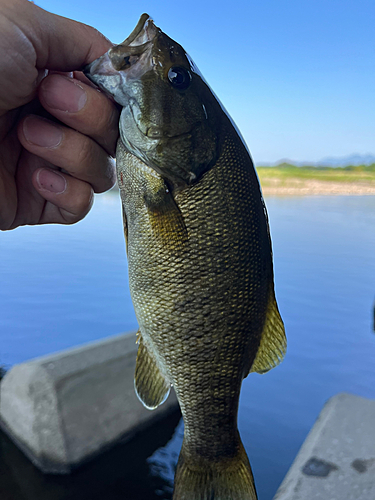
[297, 76]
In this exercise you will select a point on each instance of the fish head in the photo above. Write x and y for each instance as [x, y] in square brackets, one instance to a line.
[165, 118]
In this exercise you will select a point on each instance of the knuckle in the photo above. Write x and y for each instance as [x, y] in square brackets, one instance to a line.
[92, 164]
[82, 204]
[108, 178]
[85, 152]
[107, 129]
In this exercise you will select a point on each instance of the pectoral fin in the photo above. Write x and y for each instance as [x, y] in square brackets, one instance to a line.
[272, 346]
[165, 217]
[150, 385]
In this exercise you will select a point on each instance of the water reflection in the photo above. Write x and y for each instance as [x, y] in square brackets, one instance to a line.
[163, 462]
[324, 275]
[122, 473]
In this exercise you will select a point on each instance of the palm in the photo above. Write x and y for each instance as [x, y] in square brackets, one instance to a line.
[10, 153]
[23, 205]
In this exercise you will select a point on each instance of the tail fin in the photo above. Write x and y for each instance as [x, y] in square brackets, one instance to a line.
[221, 480]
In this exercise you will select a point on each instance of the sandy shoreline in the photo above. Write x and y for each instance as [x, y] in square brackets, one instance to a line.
[298, 187]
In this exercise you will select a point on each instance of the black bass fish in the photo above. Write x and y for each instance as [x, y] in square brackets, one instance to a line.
[199, 255]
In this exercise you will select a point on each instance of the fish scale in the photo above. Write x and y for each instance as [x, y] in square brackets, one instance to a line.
[199, 255]
[226, 245]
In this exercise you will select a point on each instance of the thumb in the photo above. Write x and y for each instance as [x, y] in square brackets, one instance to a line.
[33, 40]
[59, 43]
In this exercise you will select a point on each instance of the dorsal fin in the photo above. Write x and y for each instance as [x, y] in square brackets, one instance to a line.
[272, 346]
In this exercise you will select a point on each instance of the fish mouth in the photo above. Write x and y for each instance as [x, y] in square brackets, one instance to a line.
[139, 32]
[125, 62]
[136, 48]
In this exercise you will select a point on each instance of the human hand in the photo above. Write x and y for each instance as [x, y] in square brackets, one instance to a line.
[56, 139]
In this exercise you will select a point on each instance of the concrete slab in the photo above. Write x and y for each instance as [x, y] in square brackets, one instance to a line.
[65, 408]
[337, 459]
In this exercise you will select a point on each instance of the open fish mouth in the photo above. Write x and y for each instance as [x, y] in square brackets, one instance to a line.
[140, 33]
[129, 53]
[125, 62]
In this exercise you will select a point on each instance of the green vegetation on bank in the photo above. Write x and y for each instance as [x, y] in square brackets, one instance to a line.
[284, 172]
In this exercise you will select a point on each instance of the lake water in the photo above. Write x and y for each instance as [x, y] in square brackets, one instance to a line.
[63, 286]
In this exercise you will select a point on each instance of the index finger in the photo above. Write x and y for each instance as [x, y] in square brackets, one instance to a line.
[82, 108]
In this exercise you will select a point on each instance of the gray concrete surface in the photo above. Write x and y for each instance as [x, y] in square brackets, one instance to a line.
[64, 408]
[337, 459]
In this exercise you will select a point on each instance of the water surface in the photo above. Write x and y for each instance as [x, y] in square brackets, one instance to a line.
[63, 286]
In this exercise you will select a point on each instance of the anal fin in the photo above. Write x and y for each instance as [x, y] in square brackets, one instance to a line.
[272, 346]
[150, 385]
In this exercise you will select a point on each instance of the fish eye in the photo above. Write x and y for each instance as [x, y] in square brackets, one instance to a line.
[180, 78]
[126, 62]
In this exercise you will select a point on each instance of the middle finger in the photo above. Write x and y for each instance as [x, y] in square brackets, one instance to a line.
[76, 153]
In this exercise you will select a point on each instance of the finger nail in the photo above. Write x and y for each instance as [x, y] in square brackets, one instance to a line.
[69, 74]
[42, 73]
[41, 132]
[52, 181]
[64, 94]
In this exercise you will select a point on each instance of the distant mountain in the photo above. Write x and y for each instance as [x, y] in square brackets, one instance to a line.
[344, 161]
[284, 161]
[329, 161]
